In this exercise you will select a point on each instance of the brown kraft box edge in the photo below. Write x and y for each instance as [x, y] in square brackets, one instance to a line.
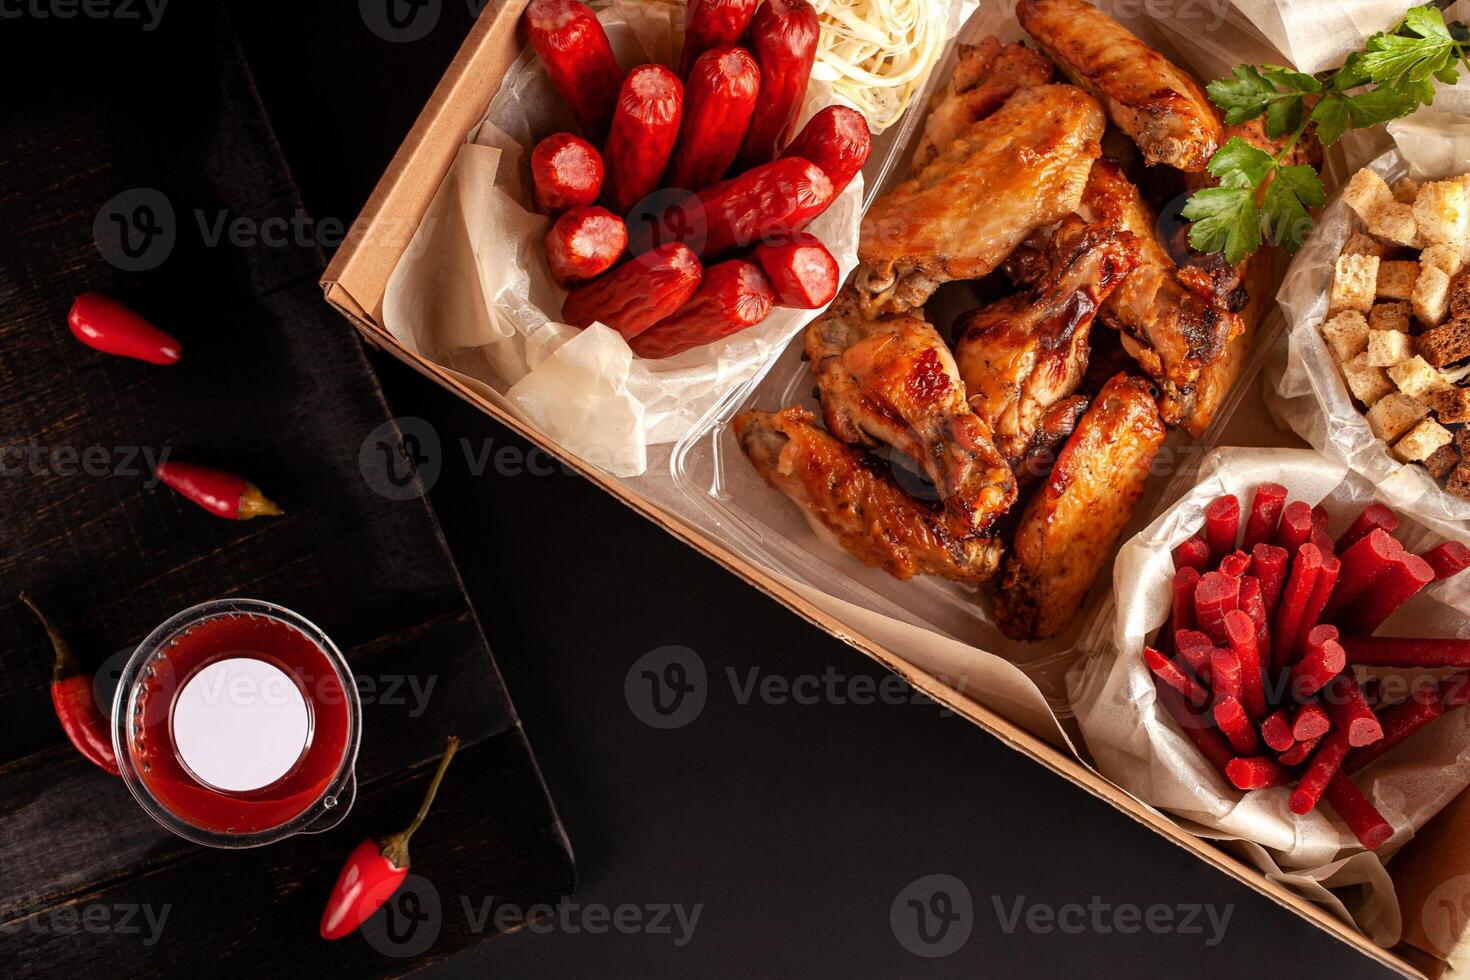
[355, 283]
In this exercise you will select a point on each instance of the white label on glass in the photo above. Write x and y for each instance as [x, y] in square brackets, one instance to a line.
[240, 724]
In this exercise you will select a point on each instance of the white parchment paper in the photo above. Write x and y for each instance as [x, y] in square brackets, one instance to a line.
[1135, 743]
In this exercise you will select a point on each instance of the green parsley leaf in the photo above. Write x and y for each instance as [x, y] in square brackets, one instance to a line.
[1289, 79]
[1244, 97]
[1289, 195]
[1239, 164]
[1284, 117]
[1389, 56]
[1378, 105]
[1225, 219]
[1427, 22]
[1332, 118]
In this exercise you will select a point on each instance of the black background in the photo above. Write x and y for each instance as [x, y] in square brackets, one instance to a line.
[793, 826]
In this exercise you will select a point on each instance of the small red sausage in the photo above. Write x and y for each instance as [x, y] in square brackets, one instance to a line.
[802, 271]
[712, 24]
[583, 244]
[566, 172]
[783, 37]
[734, 295]
[768, 203]
[638, 293]
[645, 125]
[718, 100]
[837, 140]
[578, 58]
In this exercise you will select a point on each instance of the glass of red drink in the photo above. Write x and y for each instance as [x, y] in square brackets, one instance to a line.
[236, 724]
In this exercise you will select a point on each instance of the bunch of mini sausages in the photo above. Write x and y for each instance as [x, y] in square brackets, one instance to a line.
[687, 226]
[1267, 625]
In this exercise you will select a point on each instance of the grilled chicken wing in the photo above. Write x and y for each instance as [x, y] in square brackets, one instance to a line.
[857, 501]
[1023, 355]
[1075, 517]
[895, 381]
[985, 76]
[1017, 170]
[1146, 95]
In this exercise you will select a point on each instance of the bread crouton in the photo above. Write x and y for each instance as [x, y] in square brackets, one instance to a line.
[1394, 222]
[1421, 441]
[1388, 347]
[1346, 335]
[1445, 257]
[1366, 192]
[1366, 382]
[1393, 414]
[1431, 297]
[1441, 461]
[1362, 243]
[1390, 316]
[1445, 344]
[1452, 405]
[1417, 379]
[1459, 481]
[1405, 189]
[1395, 280]
[1442, 212]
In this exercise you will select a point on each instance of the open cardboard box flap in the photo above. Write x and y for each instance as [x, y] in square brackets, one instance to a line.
[1427, 871]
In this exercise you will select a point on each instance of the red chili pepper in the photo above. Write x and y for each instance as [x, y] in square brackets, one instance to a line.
[222, 494]
[76, 705]
[108, 326]
[375, 868]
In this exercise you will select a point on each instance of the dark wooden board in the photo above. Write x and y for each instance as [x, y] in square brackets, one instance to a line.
[271, 386]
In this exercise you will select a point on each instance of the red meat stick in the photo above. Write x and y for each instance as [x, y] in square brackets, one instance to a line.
[1265, 515]
[1324, 765]
[1454, 690]
[1195, 649]
[566, 172]
[1276, 731]
[1186, 580]
[583, 244]
[1255, 608]
[645, 124]
[783, 37]
[711, 24]
[837, 140]
[733, 296]
[1403, 579]
[1235, 564]
[1225, 674]
[1216, 595]
[1405, 651]
[1361, 817]
[1193, 553]
[1448, 559]
[578, 58]
[1399, 722]
[1168, 671]
[1232, 720]
[1374, 515]
[1350, 711]
[1310, 721]
[1317, 601]
[1362, 565]
[802, 271]
[638, 293]
[1210, 743]
[1319, 535]
[1268, 563]
[1299, 586]
[1257, 772]
[1222, 525]
[1322, 660]
[1300, 752]
[1241, 631]
[719, 96]
[1295, 527]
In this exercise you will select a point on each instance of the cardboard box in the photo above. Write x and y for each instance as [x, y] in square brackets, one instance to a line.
[355, 284]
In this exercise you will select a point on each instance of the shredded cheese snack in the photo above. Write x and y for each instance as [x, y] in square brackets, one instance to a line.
[880, 51]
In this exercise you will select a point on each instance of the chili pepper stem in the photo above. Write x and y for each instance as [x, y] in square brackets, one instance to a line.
[253, 503]
[395, 848]
[66, 664]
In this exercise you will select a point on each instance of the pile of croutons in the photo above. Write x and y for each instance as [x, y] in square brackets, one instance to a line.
[1398, 319]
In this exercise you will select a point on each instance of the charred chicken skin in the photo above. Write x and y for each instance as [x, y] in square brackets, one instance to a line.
[1074, 519]
[855, 498]
[1022, 168]
[984, 77]
[1154, 101]
[894, 381]
[1022, 357]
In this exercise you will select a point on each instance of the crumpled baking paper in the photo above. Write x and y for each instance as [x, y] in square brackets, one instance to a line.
[1135, 743]
[473, 293]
